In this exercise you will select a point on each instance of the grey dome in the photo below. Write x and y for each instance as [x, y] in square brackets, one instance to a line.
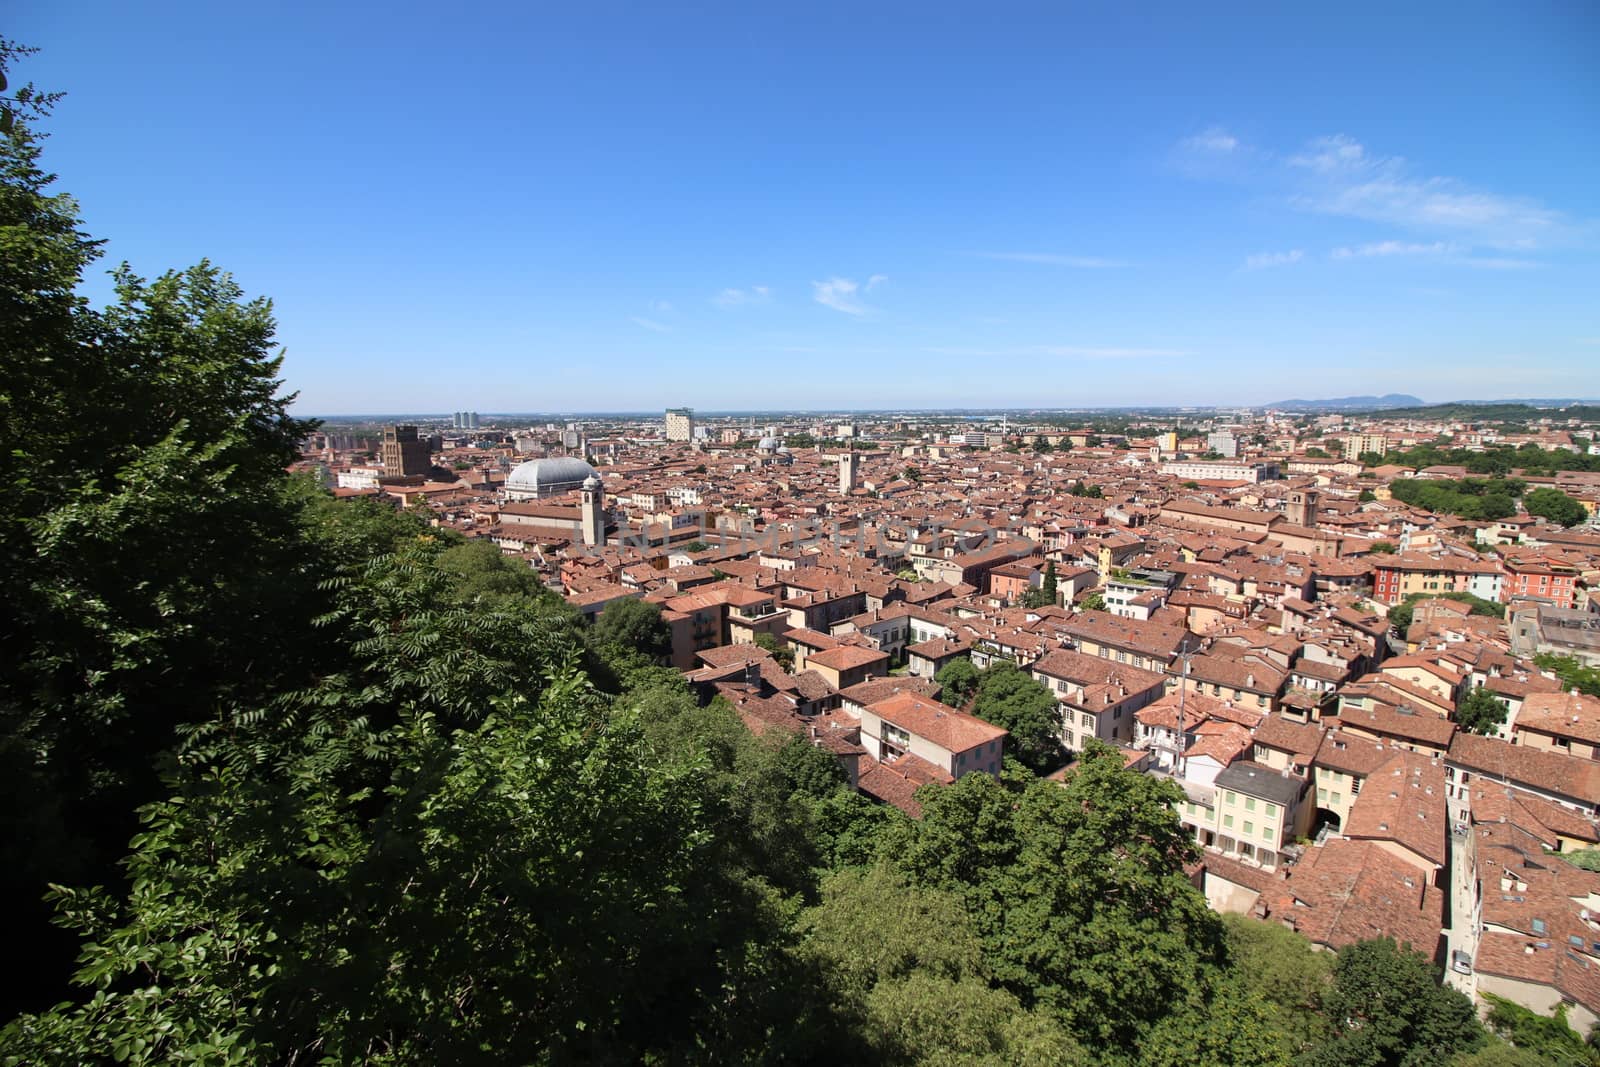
[768, 444]
[553, 475]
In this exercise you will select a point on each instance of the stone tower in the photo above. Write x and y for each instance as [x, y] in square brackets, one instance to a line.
[847, 473]
[594, 512]
[1301, 510]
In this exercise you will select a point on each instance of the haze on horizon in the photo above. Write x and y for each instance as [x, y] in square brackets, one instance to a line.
[619, 208]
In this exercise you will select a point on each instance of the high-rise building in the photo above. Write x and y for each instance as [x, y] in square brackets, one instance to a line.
[403, 454]
[680, 424]
[1224, 443]
[464, 420]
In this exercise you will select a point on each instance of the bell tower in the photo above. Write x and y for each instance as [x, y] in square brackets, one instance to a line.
[594, 512]
[1301, 509]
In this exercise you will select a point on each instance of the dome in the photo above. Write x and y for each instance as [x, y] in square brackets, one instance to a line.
[768, 444]
[546, 477]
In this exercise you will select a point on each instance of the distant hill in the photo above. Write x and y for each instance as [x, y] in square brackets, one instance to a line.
[1350, 403]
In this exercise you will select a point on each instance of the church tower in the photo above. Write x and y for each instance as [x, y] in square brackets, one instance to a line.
[1301, 508]
[847, 473]
[594, 512]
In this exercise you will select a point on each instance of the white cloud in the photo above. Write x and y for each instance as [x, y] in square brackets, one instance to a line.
[1055, 260]
[756, 294]
[1340, 177]
[1215, 139]
[1393, 248]
[876, 280]
[1444, 251]
[840, 294]
[1328, 154]
[650, 324]
[1263, 260]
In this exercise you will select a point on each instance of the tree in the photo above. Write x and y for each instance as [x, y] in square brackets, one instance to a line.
[1480, 712]
[1093, 602]
[1280, 966]
[149, 548]
[1010, 698]
[781, 652]
[1382, 548]
[1386, 1008]
[1572, 672]
[1052, 591]
[695, 546]
[1549, 1038]
[1556, 506]
[958, 680]
[1076, 891]
[1366, 496]
[635, 625]
[921, 979]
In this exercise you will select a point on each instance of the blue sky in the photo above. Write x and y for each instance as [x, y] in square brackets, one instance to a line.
[606, 207]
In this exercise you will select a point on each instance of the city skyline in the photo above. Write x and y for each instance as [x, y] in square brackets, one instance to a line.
[615, 209]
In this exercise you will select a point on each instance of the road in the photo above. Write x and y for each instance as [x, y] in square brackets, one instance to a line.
[1462, 932]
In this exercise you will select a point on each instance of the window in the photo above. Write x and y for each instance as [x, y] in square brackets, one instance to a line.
[1087, 720]
[1267, 833]
[1322, 795]
[1227, 820]
[1066, 738]
[1336, 799]
[1355, 787]
[1233, 798]
[1249, 803]
[1538, 926]
[1270, 810]
[1249, 827]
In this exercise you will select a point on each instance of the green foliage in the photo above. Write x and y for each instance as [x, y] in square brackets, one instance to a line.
[696, 546]
[958, 680]
[1382, 548]
[1279, 966]
[1366, 496]
[1076, 892]
[1386, 1008]
[1555, 505]
[1471, 498]
[1499, 1053]
[636, 626]
[920, 980]
[1093, 602]
[406, 864]
[1551, 1039]
[1585, 859]
[781, 652]
[1572, 672]
[150, 556]
[1499, 459]
[1050, 586]
[1481, 712]
[1090, 492]
[1012, 699]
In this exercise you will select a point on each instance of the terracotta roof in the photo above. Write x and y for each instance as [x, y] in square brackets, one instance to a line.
[952, 730]
[1549, 772]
